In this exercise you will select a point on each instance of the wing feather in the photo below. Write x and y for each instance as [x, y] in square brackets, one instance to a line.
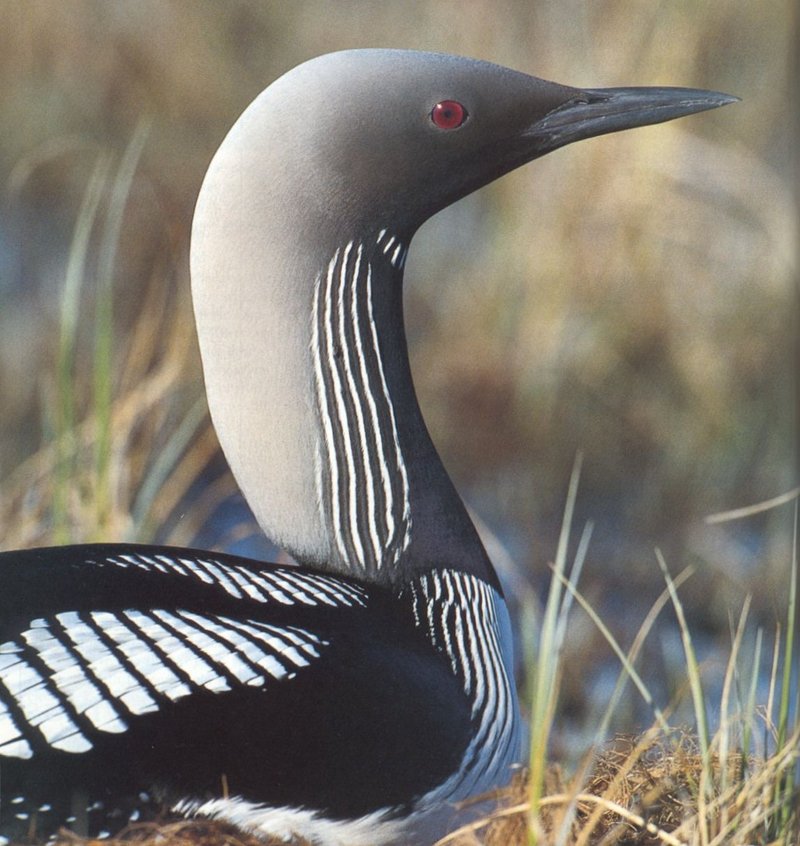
[121, 651]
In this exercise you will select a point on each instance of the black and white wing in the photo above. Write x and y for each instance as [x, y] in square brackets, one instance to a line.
[192, 676]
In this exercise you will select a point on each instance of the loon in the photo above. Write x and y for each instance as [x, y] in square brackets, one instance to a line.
[357, 697]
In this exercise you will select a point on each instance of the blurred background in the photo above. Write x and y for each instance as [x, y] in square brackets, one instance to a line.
[632, 298]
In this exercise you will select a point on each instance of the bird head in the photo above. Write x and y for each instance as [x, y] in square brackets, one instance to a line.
[389, 137]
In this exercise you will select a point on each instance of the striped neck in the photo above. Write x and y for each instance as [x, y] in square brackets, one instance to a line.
[383, 494]
[361, 476]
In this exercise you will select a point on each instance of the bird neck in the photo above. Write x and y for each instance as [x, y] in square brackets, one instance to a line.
[310, 389]
[384, 495]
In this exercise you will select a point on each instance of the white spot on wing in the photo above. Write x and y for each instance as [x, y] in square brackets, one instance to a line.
[178, 654]
[271, 587]
[145, 661]
[294, 587]
[61, 733]
[8, 728]
[197, 570]
[276, 640]
[174, 565]
[211, 648]
[241, 577]
[244, 645]
[220, 573]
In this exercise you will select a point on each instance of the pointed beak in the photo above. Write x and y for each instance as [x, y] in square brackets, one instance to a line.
[598, 111]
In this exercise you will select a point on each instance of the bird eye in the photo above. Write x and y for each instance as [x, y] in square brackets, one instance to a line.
[449, 114]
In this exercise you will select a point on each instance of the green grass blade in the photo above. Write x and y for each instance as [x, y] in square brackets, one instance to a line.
[728, 720]
[64, 428]
[750, 702]
[692, 667]
[104, 320]
[567, 600]
[789, 637]
[544, 695]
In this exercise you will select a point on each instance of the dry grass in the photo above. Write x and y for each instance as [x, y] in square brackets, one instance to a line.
[160, 441]
[644, 792]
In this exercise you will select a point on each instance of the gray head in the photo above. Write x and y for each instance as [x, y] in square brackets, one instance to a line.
[299, 240]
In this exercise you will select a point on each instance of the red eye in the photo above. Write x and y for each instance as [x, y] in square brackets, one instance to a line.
[449, 114]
